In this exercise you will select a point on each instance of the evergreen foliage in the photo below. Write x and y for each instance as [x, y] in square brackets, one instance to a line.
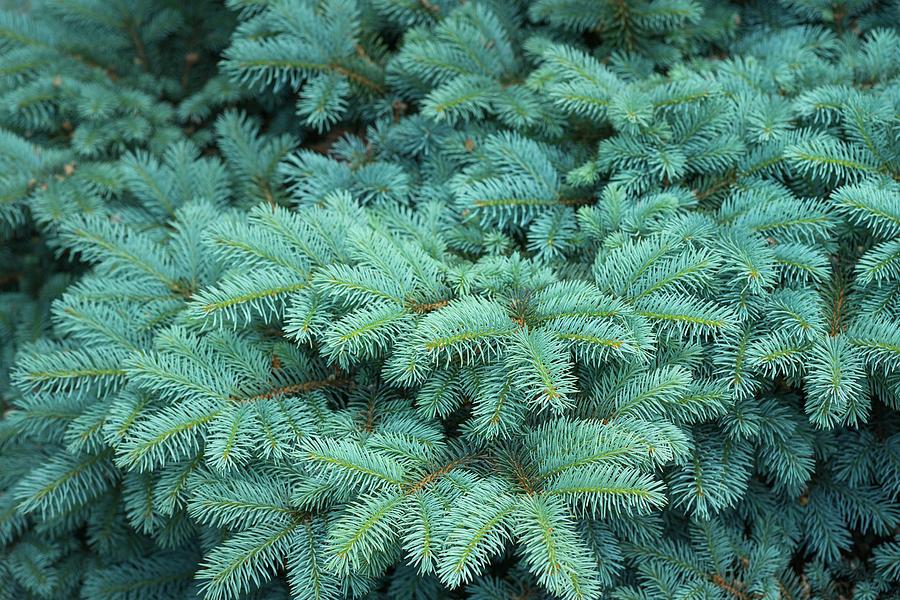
[418, 300]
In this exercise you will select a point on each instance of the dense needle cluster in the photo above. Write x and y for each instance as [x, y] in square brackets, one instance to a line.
[463, 299]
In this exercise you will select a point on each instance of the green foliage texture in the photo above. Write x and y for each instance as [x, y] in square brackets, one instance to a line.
[449, 299]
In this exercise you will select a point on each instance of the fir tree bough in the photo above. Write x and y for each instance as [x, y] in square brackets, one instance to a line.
[387, 299]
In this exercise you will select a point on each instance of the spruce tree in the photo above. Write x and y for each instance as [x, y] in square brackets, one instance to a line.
[490, 299]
